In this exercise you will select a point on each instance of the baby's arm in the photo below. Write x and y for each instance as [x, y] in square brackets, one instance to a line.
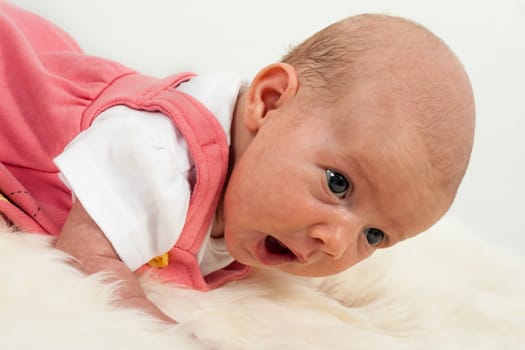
[82, 238]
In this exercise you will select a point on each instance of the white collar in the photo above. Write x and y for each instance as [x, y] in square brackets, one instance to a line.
[218, 92]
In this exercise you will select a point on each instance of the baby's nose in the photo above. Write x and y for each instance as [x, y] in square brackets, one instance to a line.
[334, 239]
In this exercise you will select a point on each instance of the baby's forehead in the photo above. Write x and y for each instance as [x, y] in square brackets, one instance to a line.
[373, 110]
[384, 147]
[381, 115]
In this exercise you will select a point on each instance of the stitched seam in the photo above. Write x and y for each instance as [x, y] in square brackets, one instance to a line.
[9, 195]
[95, 99]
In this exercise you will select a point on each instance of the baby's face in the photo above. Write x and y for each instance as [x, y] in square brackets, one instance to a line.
[315, 193]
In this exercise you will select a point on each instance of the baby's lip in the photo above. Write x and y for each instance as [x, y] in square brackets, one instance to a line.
[272, 251]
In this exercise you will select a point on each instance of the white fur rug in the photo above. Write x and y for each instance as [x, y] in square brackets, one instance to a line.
[442, 290]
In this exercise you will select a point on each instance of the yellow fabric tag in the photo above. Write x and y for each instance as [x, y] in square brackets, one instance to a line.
[2, 198]
[159, 261]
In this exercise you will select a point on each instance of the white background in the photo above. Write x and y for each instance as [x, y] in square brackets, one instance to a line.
[164, 37]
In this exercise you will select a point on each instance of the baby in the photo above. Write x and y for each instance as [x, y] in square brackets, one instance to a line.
[356, 141]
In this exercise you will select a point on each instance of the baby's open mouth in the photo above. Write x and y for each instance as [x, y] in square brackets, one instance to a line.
[276, 247]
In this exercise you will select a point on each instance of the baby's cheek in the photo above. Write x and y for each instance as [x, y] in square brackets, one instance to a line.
[362, 252]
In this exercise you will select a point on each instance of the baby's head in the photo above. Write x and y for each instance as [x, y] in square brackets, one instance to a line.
[357, 140]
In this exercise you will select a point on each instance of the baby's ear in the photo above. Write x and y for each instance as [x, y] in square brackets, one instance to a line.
[272, 88]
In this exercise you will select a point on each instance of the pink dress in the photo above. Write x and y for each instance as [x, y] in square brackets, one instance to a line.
[50, 91]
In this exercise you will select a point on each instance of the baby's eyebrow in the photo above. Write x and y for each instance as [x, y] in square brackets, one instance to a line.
[358, 171]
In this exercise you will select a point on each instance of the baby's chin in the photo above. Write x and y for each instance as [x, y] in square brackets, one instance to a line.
[297, 269]
[302, 271]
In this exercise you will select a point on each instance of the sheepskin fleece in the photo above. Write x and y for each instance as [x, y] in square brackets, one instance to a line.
[445, 289]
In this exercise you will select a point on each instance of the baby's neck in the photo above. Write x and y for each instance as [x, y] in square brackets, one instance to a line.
[237, 146]
[217, 230]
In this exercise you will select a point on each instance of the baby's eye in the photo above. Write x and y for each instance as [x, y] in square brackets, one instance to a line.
[337, 183]
[374, 236]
